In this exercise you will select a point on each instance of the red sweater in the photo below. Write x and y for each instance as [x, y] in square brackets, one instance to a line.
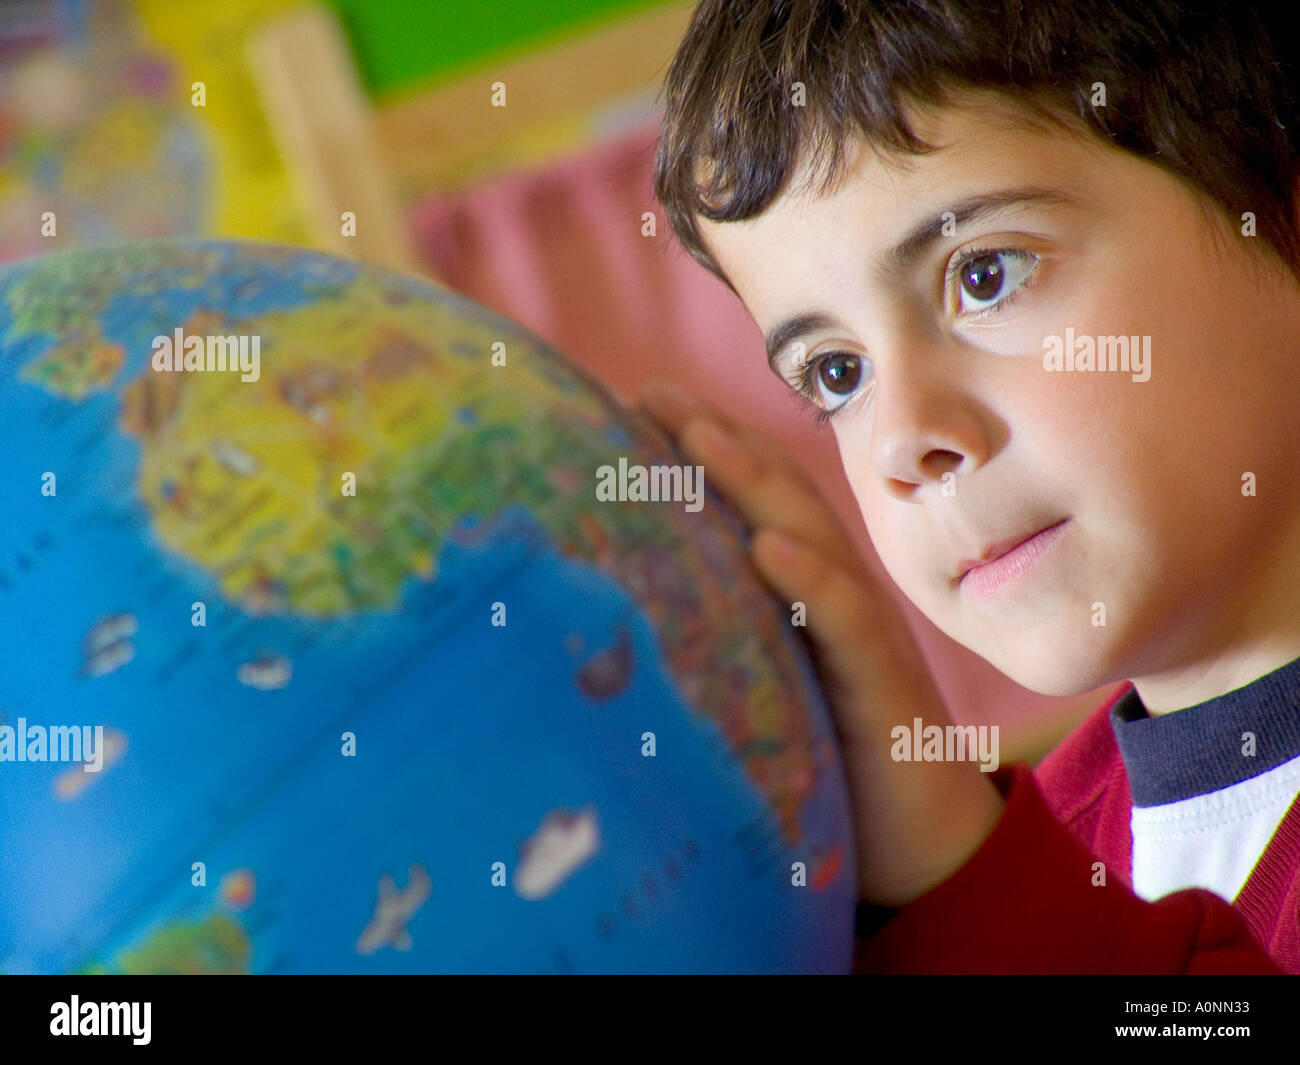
[1025, 901]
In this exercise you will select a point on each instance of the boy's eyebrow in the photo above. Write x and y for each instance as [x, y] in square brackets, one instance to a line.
[903, 255]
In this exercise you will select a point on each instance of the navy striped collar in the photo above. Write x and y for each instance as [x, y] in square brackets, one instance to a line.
[1204, 747]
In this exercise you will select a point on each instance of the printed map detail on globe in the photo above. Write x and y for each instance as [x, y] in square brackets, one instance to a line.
[100, 144]
[465, 718]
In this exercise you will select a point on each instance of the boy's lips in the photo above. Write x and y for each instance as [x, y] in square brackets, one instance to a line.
[1001, 547]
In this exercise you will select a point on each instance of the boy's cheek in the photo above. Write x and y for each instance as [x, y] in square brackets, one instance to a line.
[873, 504]
[914, 568]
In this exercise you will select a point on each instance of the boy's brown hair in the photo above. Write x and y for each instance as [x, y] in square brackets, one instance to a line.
[1204, 89]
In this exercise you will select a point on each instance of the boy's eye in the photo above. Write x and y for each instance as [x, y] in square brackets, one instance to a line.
[990, 278]
[833, 379]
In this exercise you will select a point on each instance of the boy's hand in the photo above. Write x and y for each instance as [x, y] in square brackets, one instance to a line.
[916, 823]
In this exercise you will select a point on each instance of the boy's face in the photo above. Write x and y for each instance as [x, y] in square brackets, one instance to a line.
[1160, 567]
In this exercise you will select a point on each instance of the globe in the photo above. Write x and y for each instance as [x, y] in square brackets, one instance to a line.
[327, 652]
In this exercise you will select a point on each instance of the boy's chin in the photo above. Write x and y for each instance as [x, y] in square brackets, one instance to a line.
[1057, 674]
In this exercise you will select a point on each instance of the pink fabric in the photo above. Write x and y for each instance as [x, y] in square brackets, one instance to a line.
[560, 250]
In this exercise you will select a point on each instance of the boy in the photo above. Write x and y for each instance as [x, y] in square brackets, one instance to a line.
[1012, 191]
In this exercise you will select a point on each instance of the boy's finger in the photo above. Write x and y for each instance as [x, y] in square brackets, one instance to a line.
[672, 407]
[767, 496]
[667, 403]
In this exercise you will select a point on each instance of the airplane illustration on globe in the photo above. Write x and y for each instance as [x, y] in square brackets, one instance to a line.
[393, 908]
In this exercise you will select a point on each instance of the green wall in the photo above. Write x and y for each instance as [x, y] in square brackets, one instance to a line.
[404, 43]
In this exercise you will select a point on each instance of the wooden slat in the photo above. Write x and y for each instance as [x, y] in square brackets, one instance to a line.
[323, 124]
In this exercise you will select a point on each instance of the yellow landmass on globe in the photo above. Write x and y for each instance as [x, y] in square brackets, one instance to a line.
[326, 483]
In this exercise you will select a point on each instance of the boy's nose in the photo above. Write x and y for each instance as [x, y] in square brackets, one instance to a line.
[924, 434]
